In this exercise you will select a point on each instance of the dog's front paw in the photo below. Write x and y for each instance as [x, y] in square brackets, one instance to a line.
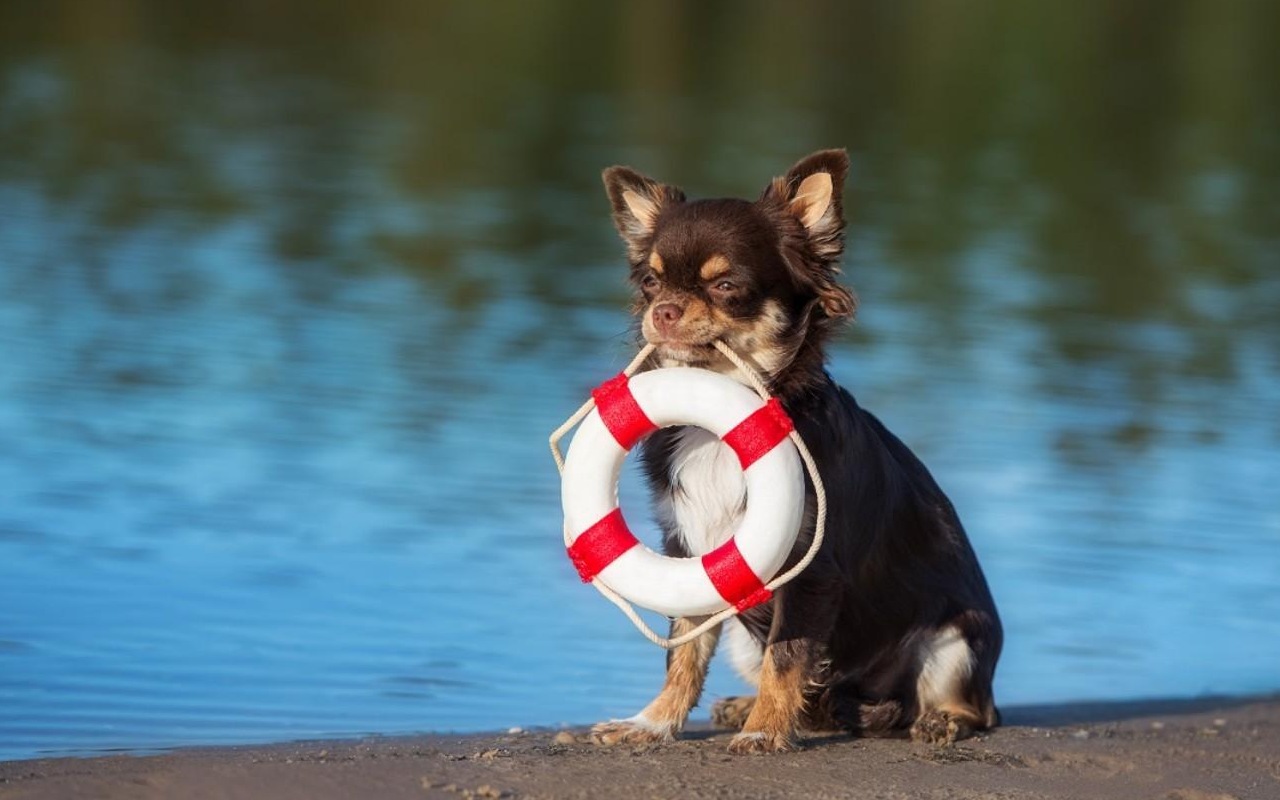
[633, 730]
[939, 727]
[755, 742]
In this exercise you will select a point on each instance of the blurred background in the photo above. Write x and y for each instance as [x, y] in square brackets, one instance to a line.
[291, 295]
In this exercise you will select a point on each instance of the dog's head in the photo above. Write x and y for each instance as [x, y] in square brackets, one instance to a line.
[759, 275]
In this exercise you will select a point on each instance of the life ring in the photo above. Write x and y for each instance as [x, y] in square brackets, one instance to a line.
[733, 575]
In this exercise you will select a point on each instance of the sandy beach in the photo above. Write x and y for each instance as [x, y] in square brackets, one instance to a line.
[1207, 749]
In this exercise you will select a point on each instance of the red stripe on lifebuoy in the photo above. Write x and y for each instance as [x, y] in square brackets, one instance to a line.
[620, 412]
[759, 433]
[601, 544]
[733, 577]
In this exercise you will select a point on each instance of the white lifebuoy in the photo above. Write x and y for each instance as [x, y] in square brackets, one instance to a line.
[735, 573]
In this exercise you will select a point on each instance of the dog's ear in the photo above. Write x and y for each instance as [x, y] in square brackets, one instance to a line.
[810, 194]
[637, 202]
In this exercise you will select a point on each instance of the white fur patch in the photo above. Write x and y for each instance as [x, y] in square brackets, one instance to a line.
[945, 663]
[641, 721]
[745, 652]
[709, 492]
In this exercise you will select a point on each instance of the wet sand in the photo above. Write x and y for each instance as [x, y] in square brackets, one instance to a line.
[1208, 749]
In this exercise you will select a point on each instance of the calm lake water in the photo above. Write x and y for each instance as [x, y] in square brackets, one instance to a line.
[290, 299]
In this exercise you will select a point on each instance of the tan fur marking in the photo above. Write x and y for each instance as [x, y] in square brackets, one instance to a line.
[776, 714]
[686, 675]
[655, 262]
[990, 717]
[696, 313]
[714, 267]
[757, 340]
[963, 711]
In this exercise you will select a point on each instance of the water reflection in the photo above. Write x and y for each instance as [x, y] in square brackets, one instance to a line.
[288, 310]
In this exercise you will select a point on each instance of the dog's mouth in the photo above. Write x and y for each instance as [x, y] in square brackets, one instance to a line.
[685, 353]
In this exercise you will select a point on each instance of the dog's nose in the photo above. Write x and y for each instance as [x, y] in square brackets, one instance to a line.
[665, 315]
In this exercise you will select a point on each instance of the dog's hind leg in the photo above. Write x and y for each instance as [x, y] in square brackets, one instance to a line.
[953, 690]
[843, 705]
[665, 716]
[732, 712]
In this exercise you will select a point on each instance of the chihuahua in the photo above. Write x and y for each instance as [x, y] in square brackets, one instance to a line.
[891, 630]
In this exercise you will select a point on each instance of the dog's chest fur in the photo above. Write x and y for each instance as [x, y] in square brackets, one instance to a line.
[701, 506]
[707, 493]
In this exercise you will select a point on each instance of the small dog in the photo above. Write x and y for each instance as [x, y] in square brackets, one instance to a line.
[892, 628]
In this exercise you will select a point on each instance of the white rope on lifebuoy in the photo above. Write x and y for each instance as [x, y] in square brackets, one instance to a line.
[733, 577]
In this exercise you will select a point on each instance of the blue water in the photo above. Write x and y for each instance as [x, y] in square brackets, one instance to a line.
[286, 317]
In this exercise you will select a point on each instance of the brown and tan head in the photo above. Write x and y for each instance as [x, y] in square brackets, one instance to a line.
[759, 275]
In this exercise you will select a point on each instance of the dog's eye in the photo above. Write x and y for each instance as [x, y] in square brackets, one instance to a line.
[649, 281]
[725, 286]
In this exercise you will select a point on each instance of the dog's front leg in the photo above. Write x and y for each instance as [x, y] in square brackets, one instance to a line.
[792, 666]
[663, 718]
[771, 725]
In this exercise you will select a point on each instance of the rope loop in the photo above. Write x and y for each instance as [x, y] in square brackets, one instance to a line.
[757, 382]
